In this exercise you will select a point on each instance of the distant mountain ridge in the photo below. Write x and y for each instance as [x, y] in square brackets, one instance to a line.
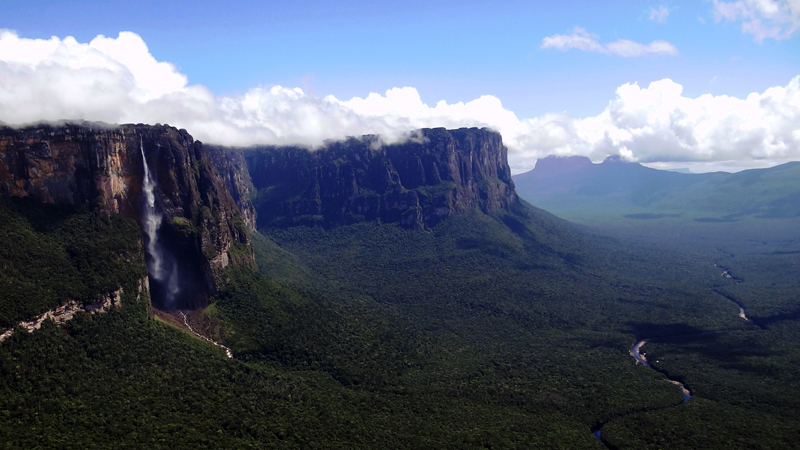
[574, 188]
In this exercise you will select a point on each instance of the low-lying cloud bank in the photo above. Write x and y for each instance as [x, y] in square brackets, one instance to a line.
[117, 80]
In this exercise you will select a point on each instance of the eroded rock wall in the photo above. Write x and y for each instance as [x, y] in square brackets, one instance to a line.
[416, 183]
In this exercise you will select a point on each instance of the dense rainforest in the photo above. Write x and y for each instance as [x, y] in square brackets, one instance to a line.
[488, 328]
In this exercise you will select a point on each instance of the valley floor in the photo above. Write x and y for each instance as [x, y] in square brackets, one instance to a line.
[504, 331]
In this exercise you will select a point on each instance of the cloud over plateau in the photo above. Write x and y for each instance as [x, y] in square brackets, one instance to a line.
[117, 80]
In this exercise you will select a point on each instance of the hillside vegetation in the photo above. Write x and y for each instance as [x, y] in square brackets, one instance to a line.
[51, 254]
[559, 307]
[503, 330]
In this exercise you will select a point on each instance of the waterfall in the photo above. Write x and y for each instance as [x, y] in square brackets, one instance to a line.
[151, 219]
[161, 269]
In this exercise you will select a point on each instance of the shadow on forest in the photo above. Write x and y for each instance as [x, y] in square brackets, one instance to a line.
[729, 350]
[724, 347]
[644, 303]
[43, 217]
[765, 322]
[710, 344]
[485, 246]
[648, 330]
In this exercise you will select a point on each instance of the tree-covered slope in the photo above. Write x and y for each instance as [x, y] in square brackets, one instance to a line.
[528, 311]
[495, 328]
[504, 331]
[51, 254]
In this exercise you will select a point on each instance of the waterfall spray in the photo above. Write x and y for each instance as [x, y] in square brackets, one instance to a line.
[160, 269]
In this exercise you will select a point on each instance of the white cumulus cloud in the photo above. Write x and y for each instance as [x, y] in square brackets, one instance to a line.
[117, 80]
[764, 19]
[580, 39]
[659, 124]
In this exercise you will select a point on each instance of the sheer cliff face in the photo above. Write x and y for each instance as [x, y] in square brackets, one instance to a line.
[92, 163]
[233, 170]
[417, 183]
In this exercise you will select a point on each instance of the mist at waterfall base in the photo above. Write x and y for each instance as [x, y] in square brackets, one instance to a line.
[176, 280]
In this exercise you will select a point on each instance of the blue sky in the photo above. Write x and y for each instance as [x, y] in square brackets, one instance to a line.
[446, 50]
[454, 51]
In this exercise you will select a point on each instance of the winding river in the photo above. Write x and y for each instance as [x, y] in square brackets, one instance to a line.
[726, 273]
[636, 352]
[640, 357]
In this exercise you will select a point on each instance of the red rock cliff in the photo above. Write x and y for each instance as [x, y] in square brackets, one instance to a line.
[77, 163]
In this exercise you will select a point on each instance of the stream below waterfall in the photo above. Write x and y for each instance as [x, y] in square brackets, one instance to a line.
[228, 351]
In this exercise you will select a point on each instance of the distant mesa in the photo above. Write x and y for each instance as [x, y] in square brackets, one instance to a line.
[576, 189]
[554, 166]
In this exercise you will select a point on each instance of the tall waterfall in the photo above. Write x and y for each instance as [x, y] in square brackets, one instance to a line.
[161, 268]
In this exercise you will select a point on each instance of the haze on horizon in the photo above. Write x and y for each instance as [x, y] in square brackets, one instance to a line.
[706, 85]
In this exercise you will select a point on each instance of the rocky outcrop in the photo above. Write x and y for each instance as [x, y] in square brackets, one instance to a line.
[76, 163]
[67, 311]
[416, 183]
